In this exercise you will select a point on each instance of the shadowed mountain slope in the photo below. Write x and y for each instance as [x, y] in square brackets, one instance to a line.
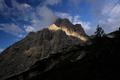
[20, 56]
[97, 61]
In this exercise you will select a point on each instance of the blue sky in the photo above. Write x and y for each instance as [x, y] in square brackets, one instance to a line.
[19, 17]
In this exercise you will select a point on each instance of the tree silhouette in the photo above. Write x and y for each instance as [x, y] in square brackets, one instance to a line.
[99, 32]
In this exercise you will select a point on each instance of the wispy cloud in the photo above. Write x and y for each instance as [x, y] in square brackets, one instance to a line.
[52, 2]
[64, 15]
[29, 29]
[111, 15]
[105, 12]
[12, 29]
[38, 17]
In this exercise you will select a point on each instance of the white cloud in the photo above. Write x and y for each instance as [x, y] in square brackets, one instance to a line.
[39, 17]
[115, 12]
[43, 15]
[19, 6]
[111, 13]
[17, 11]
[11, 28]
[64, 15]
[52, 2]
[85, 24]
[47, 15]
[108, 6]
[29, 29]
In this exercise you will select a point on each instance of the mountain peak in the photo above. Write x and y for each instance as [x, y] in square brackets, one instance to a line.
[63, 22]
[71, 30]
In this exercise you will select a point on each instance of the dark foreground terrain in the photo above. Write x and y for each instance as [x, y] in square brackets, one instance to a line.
[99, 60]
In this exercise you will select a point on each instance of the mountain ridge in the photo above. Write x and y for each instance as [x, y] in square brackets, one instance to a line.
[97, 61]
[37, 46]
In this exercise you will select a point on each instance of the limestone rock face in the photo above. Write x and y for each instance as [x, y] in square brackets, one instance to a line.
[39, 45]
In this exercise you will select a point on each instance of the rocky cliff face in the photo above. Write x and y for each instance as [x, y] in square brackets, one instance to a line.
[39, 45]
